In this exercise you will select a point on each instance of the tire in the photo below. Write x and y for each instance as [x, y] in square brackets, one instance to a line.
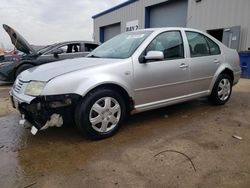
[222, 90]
[22, 68]
[106, 110]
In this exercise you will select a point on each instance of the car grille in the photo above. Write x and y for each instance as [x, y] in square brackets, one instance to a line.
[18, 86]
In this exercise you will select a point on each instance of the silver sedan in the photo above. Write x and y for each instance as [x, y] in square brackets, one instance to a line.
[133, 72]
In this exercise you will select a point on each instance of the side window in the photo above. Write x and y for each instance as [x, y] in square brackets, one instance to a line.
[73, 48]
[213, 47]
[64, 48]
[68, 48]
[90, 47]
[170, 43]
[197, 44]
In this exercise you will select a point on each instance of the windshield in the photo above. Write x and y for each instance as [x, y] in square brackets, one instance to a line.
[46, 48]
[121, 46]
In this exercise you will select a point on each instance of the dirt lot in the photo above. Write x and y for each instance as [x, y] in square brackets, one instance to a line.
[61, 157]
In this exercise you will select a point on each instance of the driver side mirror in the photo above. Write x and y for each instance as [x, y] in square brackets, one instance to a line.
[153, 56]
[56, 52]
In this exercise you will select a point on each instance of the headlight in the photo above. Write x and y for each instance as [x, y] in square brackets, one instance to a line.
[34, 88]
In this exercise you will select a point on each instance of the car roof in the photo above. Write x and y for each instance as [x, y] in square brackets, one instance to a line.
[160, 29]
[163, 29]
[77, 41]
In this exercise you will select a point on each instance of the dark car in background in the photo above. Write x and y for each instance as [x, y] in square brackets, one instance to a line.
[32, 57]
[9, 56]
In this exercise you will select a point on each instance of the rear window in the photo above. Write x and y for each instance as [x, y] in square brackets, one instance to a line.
[90, 47]
[200, 45]
[213, 47]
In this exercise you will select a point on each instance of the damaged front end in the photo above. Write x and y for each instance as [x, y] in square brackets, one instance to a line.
[49, 111]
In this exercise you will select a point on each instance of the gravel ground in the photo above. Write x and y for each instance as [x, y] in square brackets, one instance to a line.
[186, 145]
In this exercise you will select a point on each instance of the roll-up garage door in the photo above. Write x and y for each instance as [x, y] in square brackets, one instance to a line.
[169, 14]
[110, 31]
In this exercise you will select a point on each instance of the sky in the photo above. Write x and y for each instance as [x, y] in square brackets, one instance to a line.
[43, 22]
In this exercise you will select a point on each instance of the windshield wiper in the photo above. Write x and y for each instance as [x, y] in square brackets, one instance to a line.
[93, 56]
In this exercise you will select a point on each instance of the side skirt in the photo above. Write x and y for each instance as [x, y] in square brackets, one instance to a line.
[167, 102]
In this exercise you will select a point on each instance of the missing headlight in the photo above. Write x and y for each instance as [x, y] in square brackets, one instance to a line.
[58, 104]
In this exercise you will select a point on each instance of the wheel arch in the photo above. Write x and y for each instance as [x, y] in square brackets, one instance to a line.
[222, 70]
[229, 72]
[118, 88]
[23, 63]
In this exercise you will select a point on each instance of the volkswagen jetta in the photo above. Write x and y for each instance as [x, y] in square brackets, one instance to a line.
[133, 72]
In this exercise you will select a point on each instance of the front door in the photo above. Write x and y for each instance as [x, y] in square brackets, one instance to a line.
[156, 82]
[69, 51]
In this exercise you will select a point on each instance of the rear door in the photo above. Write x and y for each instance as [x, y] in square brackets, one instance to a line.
[205, 58]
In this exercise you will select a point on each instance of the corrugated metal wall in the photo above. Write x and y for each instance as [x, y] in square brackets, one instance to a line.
[170, 14]
[213, 14]
[111, 31]
[205, 15]
[134, 11]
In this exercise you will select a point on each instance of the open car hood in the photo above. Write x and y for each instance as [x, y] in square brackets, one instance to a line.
[18, 41]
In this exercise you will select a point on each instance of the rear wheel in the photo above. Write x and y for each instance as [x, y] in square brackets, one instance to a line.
[101, 113]
[222, 90]
[22, 68]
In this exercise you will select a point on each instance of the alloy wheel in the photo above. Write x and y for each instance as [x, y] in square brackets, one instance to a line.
[105, 114]
[224, 89]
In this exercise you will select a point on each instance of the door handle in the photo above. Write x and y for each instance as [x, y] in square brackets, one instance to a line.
[216, 61]
[183, 66]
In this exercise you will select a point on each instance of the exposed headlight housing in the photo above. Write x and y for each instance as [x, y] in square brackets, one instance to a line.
[35, 88]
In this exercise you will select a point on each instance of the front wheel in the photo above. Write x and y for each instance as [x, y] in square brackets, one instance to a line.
[101, 113]
[222, 90]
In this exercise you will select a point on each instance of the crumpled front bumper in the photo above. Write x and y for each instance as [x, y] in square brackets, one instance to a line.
[19, 98]
[39, 110]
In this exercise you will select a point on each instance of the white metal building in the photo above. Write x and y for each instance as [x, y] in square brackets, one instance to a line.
[226, 20]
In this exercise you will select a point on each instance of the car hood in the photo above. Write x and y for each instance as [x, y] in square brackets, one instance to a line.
[49, 71]
[18, 41]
